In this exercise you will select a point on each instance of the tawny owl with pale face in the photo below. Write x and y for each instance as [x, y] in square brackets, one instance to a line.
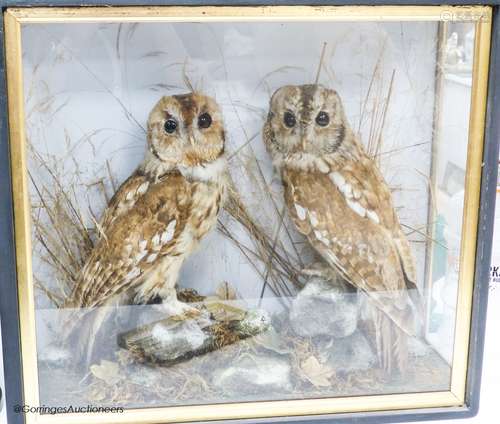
[339, 200]
[161, 212]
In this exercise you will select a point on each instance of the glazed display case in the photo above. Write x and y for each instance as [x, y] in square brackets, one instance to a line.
[256, 213]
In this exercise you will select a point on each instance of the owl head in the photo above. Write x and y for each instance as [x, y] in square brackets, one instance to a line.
[304, 119]
[186, 130]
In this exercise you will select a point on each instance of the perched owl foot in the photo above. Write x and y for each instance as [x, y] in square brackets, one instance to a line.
[319, 269]
[312, 272]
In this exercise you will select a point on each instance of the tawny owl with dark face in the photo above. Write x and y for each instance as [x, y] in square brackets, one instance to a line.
[161, 212]
[339, 200]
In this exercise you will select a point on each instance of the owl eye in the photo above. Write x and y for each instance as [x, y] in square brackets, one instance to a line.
[204, 120]
[289, 119]
[170, 126]
[322, 119]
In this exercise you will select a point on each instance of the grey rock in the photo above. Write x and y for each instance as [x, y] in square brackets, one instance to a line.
[254, 375]
[351, 353]
[54, 354]
[324, 308]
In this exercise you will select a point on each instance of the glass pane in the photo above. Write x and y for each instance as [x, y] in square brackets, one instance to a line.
[341, 282]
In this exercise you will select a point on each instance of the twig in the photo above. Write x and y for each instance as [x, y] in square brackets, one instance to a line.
[320, 65]
[270, 260]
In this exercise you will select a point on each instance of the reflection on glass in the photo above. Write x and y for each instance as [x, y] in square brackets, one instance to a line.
[448, 182]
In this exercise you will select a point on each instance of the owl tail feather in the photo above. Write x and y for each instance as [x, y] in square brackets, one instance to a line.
[419, 308]
[80, 332]
[392, 344]
[402, 317]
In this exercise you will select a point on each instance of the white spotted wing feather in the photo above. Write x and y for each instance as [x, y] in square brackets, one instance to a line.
[354, 233]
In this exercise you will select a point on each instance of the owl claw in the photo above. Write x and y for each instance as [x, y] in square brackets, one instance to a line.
[320, 270]
[188, 314]
[179, 311]
[312, 272]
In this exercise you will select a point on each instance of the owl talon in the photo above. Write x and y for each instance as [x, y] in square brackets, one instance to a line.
[178, 311]
[189, 314]
[319, 271]
[312, 272]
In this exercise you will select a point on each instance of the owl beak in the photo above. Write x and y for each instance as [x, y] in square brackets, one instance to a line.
[303, 143]
[192, 141]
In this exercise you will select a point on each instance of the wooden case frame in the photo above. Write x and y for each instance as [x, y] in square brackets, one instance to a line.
[16, 295]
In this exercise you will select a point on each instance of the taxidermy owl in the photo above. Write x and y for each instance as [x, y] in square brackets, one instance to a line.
[339, 200]
[159, 214]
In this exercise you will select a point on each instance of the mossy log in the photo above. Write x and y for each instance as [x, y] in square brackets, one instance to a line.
[173, 340]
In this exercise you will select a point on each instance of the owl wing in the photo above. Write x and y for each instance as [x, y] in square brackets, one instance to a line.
[134, 242]
[364, 184]
[124, 198]
[352, 238]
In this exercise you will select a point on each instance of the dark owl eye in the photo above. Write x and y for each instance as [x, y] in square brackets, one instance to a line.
[170, 126]
[289, 119]
[204, 120]
[322, 119]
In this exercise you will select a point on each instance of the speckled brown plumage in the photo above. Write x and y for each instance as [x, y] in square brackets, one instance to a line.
[339, 200]
[161, 212]
[136, 241]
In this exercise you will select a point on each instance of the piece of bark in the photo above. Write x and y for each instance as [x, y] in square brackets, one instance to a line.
[169, 341]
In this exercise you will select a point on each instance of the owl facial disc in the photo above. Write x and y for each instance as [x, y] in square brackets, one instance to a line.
[305, 119]
[186, 130]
